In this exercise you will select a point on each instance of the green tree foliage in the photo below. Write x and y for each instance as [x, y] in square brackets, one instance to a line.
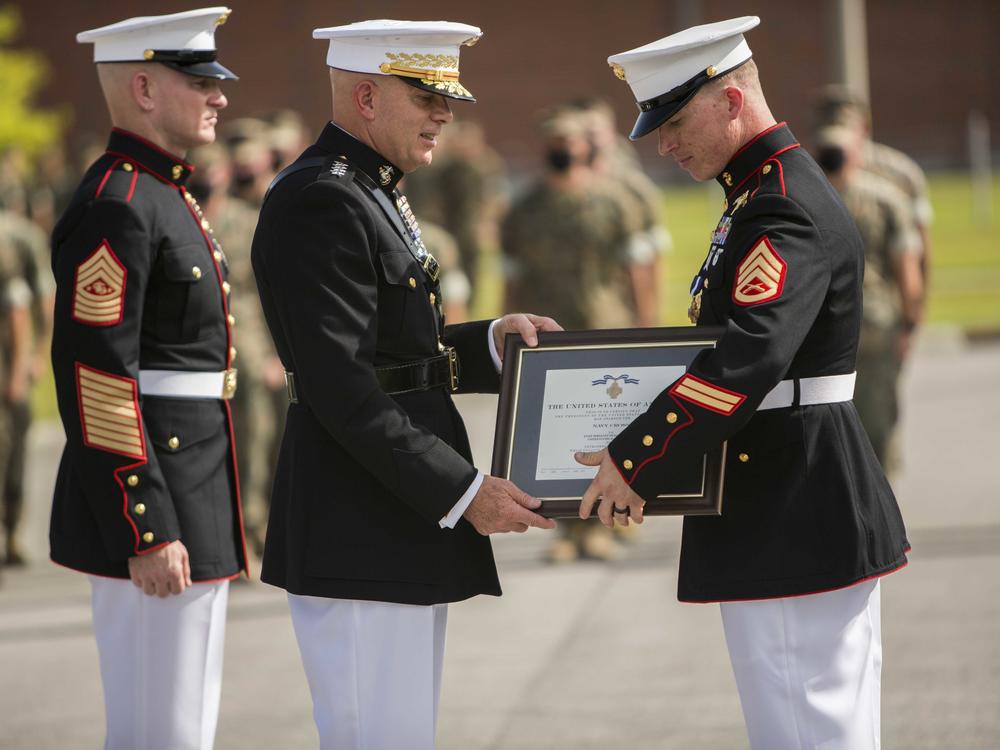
[22, 74]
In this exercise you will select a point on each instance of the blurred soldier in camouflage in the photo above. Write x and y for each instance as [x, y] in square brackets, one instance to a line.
[233, 221]
[614, 160]
[455, 285]
[839, 105]
[15, 367]
[29, 248]
[893, 282]
[566, 252]
[464, 191]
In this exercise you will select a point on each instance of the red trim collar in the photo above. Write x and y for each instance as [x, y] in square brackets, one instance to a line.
[132, 147]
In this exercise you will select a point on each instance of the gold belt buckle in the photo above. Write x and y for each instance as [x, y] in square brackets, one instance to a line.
[453, 368]
[229, 384]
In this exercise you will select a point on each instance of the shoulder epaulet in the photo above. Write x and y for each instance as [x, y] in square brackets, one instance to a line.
[118, 181]
[336, 168]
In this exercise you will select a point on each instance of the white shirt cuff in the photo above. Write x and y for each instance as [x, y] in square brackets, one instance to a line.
[494, 354]
[449, 521]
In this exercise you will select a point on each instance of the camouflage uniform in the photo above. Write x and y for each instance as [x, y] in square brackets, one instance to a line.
[455, 286]
[903, 172]
[567, 251]
[30, 248]
[462, 192]
[254, 420]
[887, 228]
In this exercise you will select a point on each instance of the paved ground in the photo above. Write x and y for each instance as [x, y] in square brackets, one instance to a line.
[590, 655]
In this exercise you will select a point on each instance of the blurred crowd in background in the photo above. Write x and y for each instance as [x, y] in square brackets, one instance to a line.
[582, 240]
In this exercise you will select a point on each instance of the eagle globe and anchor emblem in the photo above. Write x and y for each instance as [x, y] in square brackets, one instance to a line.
[615, 388]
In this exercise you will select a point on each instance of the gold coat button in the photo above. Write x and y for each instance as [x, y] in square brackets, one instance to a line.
[204, 224]
[132, 480]
[232, 353]
[140, 508]
[440, 345]
[647, 441]
[627, 465]
[231, 319]
[174, 442]
[147, 537]
[226, 287]
[744, 457]
[196, 272]
[766, 169]
[127, 167]
[413, 283]
[433, 298]
[671, 417]
[218, 256]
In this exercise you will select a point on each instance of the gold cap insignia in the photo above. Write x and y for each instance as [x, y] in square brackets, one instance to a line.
[710, 71]
[618, 70]
[223, 18]
[148, 54]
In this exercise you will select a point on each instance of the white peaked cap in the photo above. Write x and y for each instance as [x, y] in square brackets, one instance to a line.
[664, 75]
[423, 53]
[184, 41]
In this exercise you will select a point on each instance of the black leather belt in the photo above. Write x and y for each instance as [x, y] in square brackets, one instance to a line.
[422, 375]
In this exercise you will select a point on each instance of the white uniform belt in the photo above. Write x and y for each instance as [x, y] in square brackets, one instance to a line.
[826, 389]
[185, 384]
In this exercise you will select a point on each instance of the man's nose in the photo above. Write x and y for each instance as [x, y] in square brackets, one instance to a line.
[666, 143]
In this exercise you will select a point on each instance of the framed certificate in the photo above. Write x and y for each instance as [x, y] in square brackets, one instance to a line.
[576, 391]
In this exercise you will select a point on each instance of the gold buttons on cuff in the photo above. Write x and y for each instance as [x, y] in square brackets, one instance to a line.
[174, 443]
[140, 509]
[627, 465]
[231, 319]
[132, 480]
[744, 457]
[766, 169]
[412, 282]
[196, 272]
[433, 298]
[127, 167]
[147, 537]
[671, 417]
[647, 441]
[232, 353]
[226, 287]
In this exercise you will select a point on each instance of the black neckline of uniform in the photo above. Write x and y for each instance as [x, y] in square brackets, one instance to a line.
[761, 148]
[143, 153]
[337, 141]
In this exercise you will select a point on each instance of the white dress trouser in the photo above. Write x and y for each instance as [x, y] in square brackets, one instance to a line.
[374, 670]
[809, 668]
[161, 663]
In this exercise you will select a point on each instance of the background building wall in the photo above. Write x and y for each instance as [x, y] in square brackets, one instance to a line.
[930, 60]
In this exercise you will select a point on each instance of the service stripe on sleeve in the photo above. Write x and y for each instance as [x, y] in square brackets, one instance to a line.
[99, 289]
[109, 412]
[712, 397]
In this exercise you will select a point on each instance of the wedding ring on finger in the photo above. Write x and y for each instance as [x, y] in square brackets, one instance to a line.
[624, 510]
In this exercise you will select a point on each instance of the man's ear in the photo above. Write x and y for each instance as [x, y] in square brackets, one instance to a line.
[734, 101]
[142, 87]
[365, 97]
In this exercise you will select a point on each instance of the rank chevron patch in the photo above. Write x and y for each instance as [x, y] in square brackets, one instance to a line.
[761, 275]
[109, 412]
[99, 289]
[703, 393]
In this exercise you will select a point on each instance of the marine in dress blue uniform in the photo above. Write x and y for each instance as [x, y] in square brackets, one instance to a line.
[806, 507]
[372, 526]
[143, 360]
